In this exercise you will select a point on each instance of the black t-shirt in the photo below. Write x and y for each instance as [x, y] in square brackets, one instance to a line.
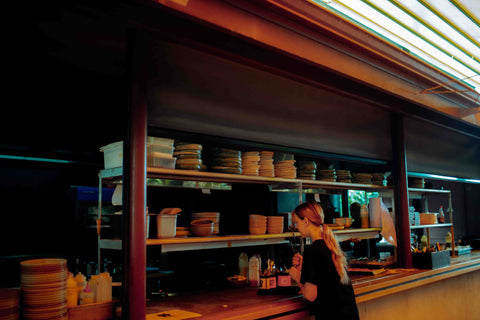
[334, 300]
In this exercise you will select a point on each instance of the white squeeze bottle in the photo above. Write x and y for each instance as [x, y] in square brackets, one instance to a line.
[104, 287]
[253, 272]
[243, 265]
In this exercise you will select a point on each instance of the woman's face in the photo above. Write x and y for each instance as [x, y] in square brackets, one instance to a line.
[301, 225]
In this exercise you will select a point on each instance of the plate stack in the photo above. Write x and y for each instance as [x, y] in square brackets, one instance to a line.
[344, 176]
[285, 169]
[189, 156]
[306, 170]
[257, 224]
[251, 163]
[416, 183]
[266, 164]
[363, 178]
[214, 216]
[9, 303]
[44, 289]
[379, 179]
[274, 224]
[327, 175]
[227, 161]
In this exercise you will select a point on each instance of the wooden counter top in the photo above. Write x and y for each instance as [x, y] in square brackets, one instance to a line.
[244, 303]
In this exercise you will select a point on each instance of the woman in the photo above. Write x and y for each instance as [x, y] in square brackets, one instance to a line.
[322, 272]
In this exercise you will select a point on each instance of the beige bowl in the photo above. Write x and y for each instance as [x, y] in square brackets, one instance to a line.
[202, 227]
[345, 221]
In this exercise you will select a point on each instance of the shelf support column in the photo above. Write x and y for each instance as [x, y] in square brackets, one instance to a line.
[135, 174]
[401, 191]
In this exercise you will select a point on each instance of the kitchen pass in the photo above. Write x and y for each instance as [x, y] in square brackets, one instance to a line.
[174, 314]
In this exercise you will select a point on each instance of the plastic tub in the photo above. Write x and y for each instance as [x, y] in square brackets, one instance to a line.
[113, 155]
[166, 225]
[160, 162]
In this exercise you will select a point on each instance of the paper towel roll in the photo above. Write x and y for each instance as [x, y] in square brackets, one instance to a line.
[375, 212]
[117, 195]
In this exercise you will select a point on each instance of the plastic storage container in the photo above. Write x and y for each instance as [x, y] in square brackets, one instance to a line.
[113, 155]
[166, 225]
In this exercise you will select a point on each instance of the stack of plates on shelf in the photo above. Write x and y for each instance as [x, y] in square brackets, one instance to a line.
[266, 164]
[344, 176]
[189, 156]
[257, 224]
[379, 179]
[285, 169]
[363, 178]
[306, 170]
[327, 175]
[416, 183]
[274, 224]
[214, 216]
[44, 289]
[227, 161]
[9, 303]
[251, 163]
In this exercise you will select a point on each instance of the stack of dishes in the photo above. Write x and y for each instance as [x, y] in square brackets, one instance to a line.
[416, 183]
[327, 175]
[44, 289]
[379, 179]
[344, 176]
[274, 224]
[285, 169]
[227, 161]
[251, 163]
[189, 156]
[306, 170]
[266, 164]
[9, 303]
[257, 224]
[214, 216]
[363, 178]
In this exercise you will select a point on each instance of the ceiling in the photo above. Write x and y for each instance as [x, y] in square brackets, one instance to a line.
[442, 33]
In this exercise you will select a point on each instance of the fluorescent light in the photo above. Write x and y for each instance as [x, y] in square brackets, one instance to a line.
[10, 157]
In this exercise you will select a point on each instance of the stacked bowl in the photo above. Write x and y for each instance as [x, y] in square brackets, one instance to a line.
[202, 227]
[214, 216]
[274, 224]
[44, 289]
[257, 224]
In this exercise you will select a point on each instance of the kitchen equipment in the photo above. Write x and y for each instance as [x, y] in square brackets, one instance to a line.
[202, 227]
[113, 155]
[166, 225]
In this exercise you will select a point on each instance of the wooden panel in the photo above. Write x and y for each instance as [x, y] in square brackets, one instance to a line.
[448, 299]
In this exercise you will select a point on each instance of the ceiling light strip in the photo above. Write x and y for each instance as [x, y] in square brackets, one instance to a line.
[420, 36]
[427, 25]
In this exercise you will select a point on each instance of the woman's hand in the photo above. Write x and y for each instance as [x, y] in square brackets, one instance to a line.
[297, 261]
[295, 274]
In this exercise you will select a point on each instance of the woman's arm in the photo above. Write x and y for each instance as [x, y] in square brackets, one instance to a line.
[309, 290]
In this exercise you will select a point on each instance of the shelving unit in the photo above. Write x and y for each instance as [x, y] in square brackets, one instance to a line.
[418, 193]
[160, 177]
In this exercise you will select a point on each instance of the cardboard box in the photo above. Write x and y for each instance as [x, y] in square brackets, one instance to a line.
[431, 260]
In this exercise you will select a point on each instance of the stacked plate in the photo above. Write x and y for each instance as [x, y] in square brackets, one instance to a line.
[327, 175]
[44, 289]
[285, 169]
[363, 178]
[379, 179]
[416, 183]
[9, 303]
[306, 170]
[266, 164]
[257, 224]
[344, 176]
[227, 161]
[214, 216]
[274, 224]
[189, 156]
[251, 163]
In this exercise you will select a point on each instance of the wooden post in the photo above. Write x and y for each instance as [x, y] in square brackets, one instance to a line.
[134, 244]
[401, 191]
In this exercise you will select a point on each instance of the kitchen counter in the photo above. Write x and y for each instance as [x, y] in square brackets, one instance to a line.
[244, 303]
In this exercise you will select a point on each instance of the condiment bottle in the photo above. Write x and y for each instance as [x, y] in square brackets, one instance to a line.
[86, 296]
[448, 239]
[104, 287]
[243, 264]
[441, 216]
[254, 271]
[72, 292]
[93, 283]
[283, 278]
[364, 216]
